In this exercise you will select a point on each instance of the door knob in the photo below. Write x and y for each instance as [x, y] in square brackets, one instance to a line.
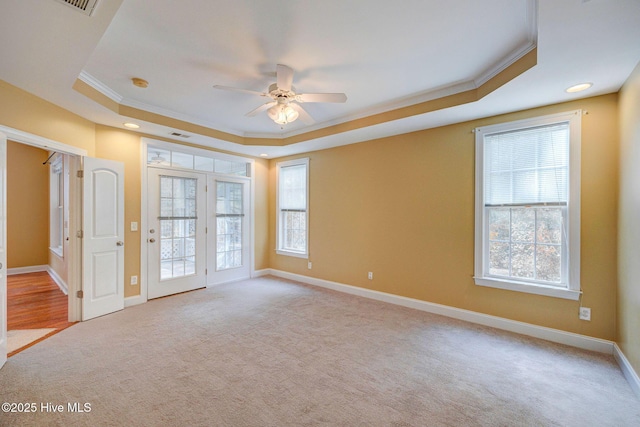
[120, 243]
[152, 240]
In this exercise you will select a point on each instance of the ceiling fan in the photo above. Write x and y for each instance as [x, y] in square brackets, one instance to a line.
[283, 107]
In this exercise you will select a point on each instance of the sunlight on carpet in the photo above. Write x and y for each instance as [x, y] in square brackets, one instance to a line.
[19, 338]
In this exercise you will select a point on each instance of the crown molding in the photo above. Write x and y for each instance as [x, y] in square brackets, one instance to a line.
[100, 87]
[513, 64]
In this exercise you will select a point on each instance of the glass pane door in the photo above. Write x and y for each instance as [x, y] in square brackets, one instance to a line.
[178, 216]
[176, 235]
[229, 225]
[229, 221]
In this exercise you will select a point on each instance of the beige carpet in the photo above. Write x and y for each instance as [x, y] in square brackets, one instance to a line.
[268, 352]
[21, 337]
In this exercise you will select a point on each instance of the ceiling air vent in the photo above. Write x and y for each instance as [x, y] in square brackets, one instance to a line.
[181, 135]
[85, 6]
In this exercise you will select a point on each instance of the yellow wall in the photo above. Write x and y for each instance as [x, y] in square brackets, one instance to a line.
[26, 112]
[27, 206]
[403, 208]
[262, 211]
[628, 336]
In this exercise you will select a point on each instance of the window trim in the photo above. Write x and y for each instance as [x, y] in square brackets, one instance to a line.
[572, 291]
[279, 228]
[56, 205]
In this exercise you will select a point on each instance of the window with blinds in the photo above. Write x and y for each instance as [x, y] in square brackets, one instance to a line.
[526, 202]
[527, 166]
[292, 207]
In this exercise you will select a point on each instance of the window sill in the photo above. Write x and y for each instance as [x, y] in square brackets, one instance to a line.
[57, 251]
[293, 254]
[549, 291]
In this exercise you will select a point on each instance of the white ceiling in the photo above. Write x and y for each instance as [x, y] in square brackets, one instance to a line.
[382, 54]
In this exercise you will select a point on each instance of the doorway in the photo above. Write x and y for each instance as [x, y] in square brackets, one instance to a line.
[37, 244]
[98, 205]
[197, 214]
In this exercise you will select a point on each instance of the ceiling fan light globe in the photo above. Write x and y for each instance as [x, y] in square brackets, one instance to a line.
[282, 114]
[290, 114]
[274, 111]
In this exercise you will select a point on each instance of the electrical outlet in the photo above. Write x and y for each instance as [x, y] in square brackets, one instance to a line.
[370, 275]
[134, 280]
[585, 313]
[134, 226]
[309, 265]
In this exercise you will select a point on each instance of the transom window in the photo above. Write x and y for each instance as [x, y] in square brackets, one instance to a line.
[527, 205]
[182, 160]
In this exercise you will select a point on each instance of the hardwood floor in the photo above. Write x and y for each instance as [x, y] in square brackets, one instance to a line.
[34, 301]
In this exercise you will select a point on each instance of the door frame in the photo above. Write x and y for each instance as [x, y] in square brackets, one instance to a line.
[144, 143]
[74, 279]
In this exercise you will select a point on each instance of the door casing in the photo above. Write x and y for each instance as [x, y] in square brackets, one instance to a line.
[145, 146]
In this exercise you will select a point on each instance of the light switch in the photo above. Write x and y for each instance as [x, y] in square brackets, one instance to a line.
[134, 226]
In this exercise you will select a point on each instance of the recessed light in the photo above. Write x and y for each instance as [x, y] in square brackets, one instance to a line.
[131, 125]
[579, 88]
[264, 155]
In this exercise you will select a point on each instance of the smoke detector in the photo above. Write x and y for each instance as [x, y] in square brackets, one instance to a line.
[85, 6]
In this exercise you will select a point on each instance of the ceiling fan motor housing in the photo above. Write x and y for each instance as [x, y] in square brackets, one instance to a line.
[276, 93]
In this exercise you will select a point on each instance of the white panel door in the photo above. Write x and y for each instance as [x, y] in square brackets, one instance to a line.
[3, 252]
[176, 238]
[229, 245]
[103, 237]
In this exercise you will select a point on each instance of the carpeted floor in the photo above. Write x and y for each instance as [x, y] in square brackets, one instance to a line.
[268, 352]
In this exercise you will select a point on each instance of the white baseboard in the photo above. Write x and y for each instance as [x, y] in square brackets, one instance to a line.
[627, 370]
[56, 278]
[29, 269]
[134, 300]
[549, 334]
[261, 273]
[224, 282]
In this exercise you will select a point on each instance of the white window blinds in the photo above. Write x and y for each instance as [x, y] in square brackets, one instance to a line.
[527, 166]
[293, 188]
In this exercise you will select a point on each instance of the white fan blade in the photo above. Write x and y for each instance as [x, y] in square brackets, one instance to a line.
[302, 114]
[235, 89]
[284, 76]
[261, 108]
[321, 97]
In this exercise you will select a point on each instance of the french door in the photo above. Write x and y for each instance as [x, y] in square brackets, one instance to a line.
[229, 243]
[176, 243]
